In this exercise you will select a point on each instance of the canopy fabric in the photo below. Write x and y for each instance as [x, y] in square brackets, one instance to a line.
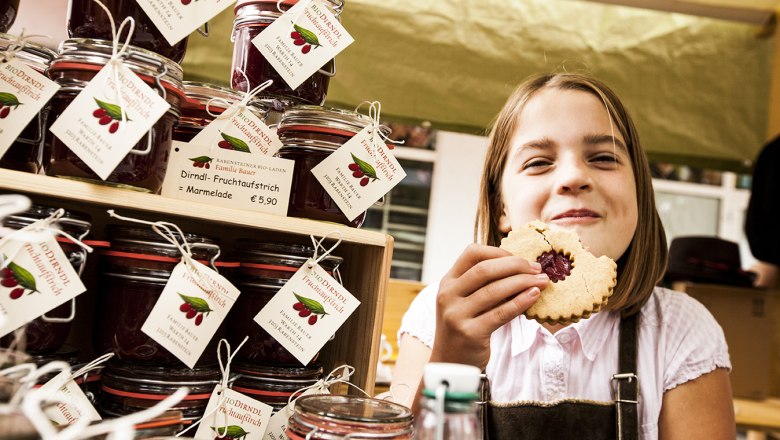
[697, 87]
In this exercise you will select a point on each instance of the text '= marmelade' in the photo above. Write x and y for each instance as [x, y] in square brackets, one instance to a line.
[42, 335]
[132, 274]
[309, 135]
[24, 154]
[86, 19]
[250, 68]
[143, 168]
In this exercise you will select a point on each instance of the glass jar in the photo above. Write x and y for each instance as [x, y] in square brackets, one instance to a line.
[129, 388]
[24, 154]
[86, 19]
[133, 273]
[329, 416]
[43, 335]
[273, 385]
[8, 11]
[276, 261]
[76, 64]
[195, 116]
[252, 17]
[309, 134]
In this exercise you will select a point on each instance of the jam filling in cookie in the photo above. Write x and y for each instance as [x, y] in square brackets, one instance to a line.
[556, 265]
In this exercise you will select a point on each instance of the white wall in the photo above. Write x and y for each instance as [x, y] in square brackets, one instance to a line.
[454, 193]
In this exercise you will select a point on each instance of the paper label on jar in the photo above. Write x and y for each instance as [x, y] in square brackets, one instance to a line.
[23, 93]
[277, 426]
[242, 132]
[240, 416]
[359, 173]
[307, 311]
[91, 125]
[191, 308]
[37, 279]
[72, 404]
[176, 19]
[252, 182]
[301, 41]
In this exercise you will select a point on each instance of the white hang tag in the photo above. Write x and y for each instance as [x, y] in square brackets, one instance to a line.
[307, 311]
[38, 278]
[177, 19]
[277, 426]
[23, 93]
[252, 182]
[301, 41]
[185, 317]
[243, 132]
[246, 419]
[91, 125]
[73, 403]
[359, 173]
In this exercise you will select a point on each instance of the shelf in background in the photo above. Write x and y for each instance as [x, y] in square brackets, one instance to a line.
[46, 186]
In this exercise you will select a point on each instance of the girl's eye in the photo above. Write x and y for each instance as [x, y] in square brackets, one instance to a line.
[606, 158]
[536, 163]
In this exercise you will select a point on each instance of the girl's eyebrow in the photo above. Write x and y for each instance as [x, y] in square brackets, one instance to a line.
[534, 144]
[597, 139]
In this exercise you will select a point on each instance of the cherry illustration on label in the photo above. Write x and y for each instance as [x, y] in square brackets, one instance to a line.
[229, 142]
[304, 38]
[201, 161]
[18, 279]
[7, 101]
[230, 432]
[362, 170]
[308, 308]
[194, 307]
[108, 113]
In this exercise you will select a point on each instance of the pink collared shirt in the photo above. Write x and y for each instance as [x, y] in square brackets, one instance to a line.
[679, 340]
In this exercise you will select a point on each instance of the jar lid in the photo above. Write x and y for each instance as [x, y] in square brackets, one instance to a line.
[199, 94]
[147, 241]
[33, 55]
[252, 371]
[335, 6]
[316, 118]
[352, 408]
[73, 222]
[66, 353]
[198, 379]
[282, 254]
[93, 52]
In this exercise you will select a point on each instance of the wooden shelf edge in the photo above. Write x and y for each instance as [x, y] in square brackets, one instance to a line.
[26, 183]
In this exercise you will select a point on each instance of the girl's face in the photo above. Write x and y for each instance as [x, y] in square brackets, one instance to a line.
[568, 167]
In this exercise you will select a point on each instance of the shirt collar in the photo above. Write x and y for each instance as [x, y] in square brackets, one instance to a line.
[592, 332]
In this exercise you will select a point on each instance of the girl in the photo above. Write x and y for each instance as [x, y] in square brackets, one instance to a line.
[565, 151]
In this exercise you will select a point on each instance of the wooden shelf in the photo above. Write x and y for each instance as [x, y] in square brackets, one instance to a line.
[365, 271]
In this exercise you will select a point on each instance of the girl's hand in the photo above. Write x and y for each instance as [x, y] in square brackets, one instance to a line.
[485, 288]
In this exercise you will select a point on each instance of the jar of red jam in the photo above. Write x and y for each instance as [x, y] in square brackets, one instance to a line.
[76, 64]
[86, 19]
[133, 273]
[128, 388]
[252, 17]
[8, 11]
[24, 154]
[276, 261]
[309, 135]
[329, 416]
[43, 335]
[273, 385]
[203, 98]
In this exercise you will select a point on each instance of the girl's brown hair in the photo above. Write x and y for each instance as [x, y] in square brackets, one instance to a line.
[643, 264]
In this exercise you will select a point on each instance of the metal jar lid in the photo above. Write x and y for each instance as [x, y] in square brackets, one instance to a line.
[154, 379]
[283, 254]
[200, 94]
[93, 54]
[314, 117]
[147, 241]
[75, 223]
[33, 55]
[250, 7]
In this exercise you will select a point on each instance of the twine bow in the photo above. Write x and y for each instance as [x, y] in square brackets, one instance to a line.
[18, 45]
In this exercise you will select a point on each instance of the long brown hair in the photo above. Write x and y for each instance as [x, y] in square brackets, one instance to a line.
[643, 264]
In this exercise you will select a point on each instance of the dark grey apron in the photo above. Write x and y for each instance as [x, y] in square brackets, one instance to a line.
[572, 418]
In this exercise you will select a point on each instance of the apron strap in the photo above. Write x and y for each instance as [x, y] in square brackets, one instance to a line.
[626, 382]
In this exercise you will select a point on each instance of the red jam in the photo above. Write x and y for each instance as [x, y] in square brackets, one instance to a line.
[273, 385]
[86, 19]
[42, 336]
[309, 135]
[252, 17]
[24, 152]
[76, 64]
[133, 273]
[328, 416]
[8, 11]
[129, 388]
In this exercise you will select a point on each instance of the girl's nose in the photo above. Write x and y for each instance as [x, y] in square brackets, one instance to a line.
[573, 177]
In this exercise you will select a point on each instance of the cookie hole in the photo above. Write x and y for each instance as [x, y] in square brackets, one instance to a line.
[556, 265]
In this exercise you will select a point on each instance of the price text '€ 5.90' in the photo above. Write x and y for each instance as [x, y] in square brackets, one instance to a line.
[263, 200]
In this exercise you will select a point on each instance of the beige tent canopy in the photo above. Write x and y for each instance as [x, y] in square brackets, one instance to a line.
[698, 87]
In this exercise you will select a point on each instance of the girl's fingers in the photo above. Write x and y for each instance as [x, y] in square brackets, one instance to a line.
[497, 316]
[487, 271]
[472, 255]
[498, 292]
